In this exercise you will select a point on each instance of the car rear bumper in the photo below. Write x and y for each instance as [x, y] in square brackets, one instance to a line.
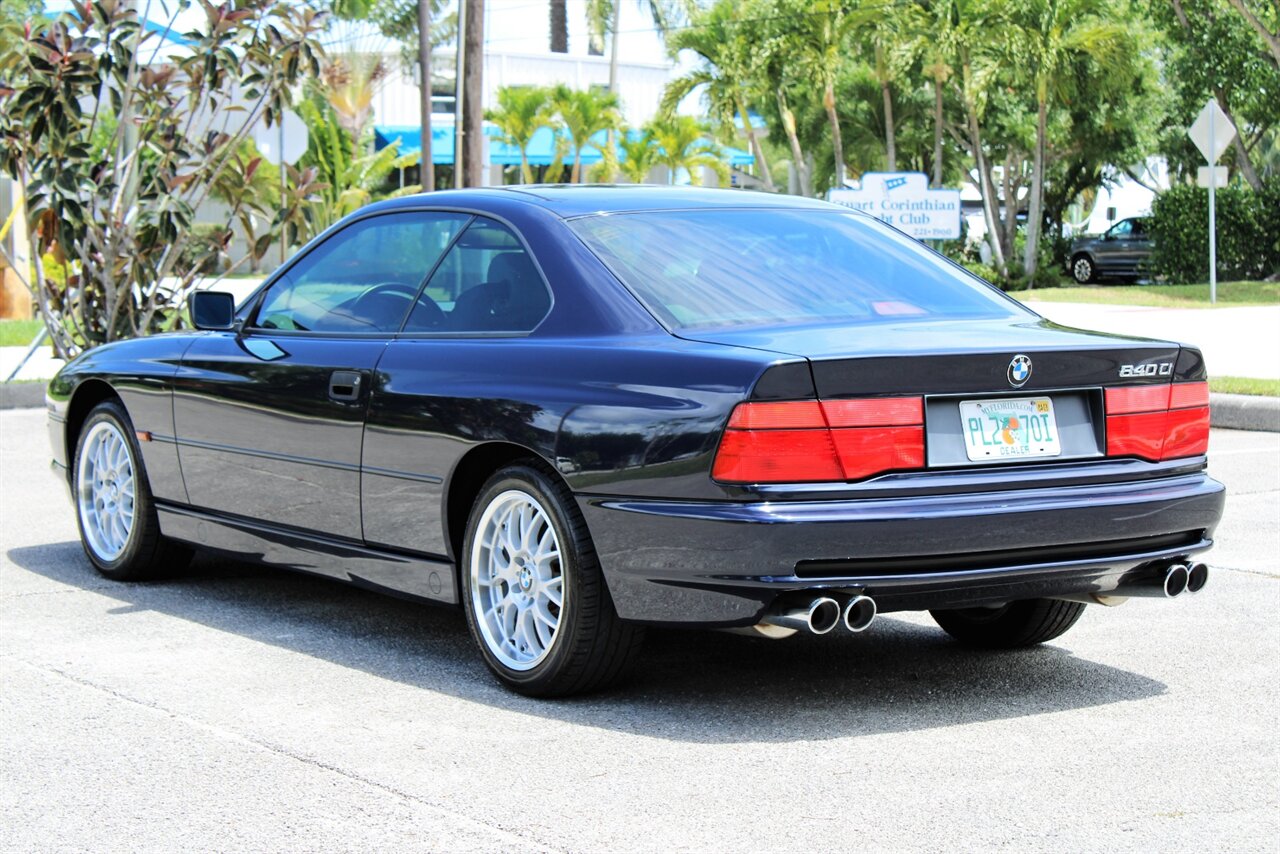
[723, 564]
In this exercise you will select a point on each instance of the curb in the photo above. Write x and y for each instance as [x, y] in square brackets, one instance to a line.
[22, 395]
[1245, 412]
[1229, 411]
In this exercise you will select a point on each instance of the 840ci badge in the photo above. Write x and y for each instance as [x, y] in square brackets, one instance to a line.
[1010, 428]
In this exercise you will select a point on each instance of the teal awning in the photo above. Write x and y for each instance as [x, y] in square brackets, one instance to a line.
[541, 150]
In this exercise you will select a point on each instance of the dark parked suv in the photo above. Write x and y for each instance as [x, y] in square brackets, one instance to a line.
[1122, 252]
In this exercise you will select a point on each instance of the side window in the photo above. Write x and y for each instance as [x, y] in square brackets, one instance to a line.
[1139, 229]
[362, 279]
[1120, 231]
[487, 283]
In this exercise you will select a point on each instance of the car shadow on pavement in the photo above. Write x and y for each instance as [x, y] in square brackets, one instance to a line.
[690, 686]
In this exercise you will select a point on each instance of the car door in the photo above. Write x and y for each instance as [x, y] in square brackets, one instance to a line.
[269, 419]
[1139, 246]
[446, 383]
[1115, 253]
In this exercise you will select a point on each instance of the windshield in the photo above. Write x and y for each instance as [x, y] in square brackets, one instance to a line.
[709, 269]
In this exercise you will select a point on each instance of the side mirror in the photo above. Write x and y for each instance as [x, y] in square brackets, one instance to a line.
[215, 310]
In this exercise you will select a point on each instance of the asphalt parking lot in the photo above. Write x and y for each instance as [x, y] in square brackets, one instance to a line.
[235, 709]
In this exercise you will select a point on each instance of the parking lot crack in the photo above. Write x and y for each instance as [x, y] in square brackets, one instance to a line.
[501, 836]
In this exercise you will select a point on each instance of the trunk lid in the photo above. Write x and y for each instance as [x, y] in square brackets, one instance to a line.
[957, 357]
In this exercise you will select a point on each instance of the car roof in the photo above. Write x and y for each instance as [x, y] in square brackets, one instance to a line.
[573, 200]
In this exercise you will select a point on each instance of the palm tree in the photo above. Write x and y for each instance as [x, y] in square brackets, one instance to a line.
[931, 35]
[726, 69]
[603, 18]
[775, 70]
[350, 82]
[522, 110]
[559, 27]
[640, 156]
[584, 114]
[822, 28]
[1046, 37]
[682, 142]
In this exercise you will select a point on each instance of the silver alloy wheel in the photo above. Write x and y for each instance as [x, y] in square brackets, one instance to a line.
[106, 491]
[516, 580]
[1082, 270]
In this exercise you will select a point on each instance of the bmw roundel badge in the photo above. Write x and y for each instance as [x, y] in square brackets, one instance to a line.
[1019, 370]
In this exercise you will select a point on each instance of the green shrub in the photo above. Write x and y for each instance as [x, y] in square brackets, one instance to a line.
[55, 271]
[204, 253]
[1248, 226]
[982, 271]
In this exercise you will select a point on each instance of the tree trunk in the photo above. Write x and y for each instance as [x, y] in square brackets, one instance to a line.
[611, 137]
[1009, 208]
[427, 169]
[986, 187]
[1271, 39]
[837, 142]
[526, 177]
[756, 150]
[1035, 211]
[559, 27]
[1242, 155]
[890, 141]
[575, 172]
[473, 136]
[937, 133]
[613, 48]
[797, 154]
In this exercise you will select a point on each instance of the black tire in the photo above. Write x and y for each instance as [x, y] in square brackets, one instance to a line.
[1025, 623]
[1083, 269]
[592, 648]
[146, 553]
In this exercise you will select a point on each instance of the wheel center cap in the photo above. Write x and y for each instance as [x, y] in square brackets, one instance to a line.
[525, 578]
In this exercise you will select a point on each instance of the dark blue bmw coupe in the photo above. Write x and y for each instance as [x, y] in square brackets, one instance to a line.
[576, 411]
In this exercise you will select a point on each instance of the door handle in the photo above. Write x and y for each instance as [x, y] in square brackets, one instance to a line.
[345, 385]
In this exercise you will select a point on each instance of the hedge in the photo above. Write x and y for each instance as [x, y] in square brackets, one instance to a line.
[1248, 232]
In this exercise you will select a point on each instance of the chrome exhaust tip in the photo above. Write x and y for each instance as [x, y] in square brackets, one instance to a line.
[819, 616]
[859, 613]
[824, 615]
[1175, 580]
[1197, 577]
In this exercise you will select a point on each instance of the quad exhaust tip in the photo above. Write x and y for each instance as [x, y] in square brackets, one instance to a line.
[1197, 577]
[819, 616]
[1175, 580]
[859, 613]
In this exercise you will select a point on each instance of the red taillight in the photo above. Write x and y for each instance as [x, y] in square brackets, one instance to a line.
[1160, 422]
[807, 440]
[777, 456]
[1186, 433]
[777, 416]
[864, 451]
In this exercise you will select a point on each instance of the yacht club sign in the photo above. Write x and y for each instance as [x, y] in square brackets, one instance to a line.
[904, 200]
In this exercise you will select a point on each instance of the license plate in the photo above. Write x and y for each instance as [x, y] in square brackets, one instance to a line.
[1009, 428]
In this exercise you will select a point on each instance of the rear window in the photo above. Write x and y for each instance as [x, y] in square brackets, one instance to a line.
[712, 269]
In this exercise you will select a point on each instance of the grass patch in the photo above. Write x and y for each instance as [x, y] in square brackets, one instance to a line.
[1245, 385]
[1160, 296]
[18, 333]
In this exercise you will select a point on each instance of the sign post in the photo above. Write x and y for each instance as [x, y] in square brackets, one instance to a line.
[1212, 132]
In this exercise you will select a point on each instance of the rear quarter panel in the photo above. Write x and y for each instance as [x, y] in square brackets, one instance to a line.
[617, 416]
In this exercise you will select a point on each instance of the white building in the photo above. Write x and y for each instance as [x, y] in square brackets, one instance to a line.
[517, 52]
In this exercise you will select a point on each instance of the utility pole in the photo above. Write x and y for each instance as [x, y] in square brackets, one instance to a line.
[427, 166]
[473, 138]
